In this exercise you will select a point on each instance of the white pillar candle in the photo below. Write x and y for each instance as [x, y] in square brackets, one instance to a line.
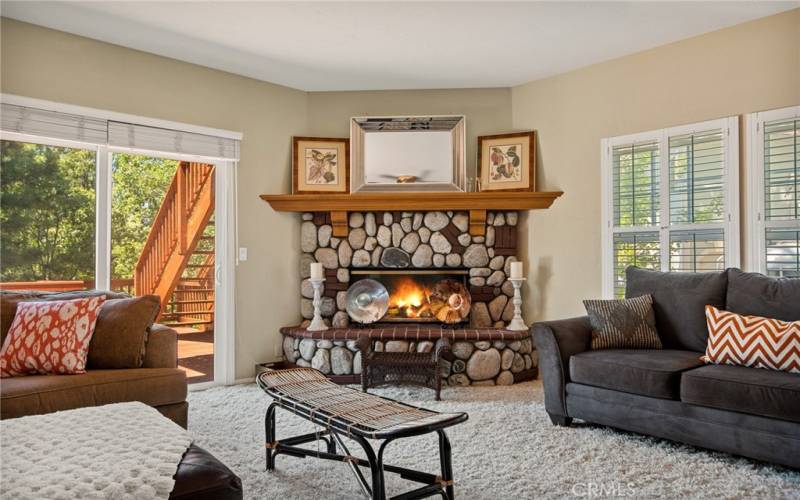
[516, 270]
[316, 271]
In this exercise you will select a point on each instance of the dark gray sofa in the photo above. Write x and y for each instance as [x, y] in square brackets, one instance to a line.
[670, 393]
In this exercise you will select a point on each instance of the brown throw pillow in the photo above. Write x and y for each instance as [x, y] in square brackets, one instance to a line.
[628, 323]
[121, 334]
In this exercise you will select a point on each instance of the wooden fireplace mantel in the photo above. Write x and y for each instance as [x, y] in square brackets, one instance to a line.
[477, 204]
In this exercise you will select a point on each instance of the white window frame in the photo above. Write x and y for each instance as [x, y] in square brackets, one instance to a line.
[730, 226]
[756, 225]
[226, 234]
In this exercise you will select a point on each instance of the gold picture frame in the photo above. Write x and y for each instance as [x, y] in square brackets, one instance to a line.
[507, 162]
[320, 165]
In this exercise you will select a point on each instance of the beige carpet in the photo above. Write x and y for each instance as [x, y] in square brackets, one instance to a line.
[507, 449]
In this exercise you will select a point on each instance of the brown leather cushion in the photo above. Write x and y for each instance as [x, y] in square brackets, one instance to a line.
[10, 298]
[201, 476]
[121, 333]
[757, 391]
[648, 372]
[32, 395]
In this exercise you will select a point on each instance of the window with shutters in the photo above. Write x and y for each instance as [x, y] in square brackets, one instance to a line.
[666, 200]
[774, 195]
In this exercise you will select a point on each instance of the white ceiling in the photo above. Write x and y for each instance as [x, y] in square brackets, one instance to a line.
[391, 45]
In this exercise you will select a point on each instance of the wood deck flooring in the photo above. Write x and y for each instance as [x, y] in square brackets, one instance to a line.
[196, 354]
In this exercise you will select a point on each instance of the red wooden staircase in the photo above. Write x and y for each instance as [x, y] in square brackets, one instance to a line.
[177, 261]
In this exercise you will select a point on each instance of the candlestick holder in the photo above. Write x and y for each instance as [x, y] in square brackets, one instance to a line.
[317, 324]
[517, 324]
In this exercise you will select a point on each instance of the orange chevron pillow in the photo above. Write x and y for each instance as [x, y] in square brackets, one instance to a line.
[736, 339]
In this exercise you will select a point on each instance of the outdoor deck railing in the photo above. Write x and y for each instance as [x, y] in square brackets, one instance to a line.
[118, 285]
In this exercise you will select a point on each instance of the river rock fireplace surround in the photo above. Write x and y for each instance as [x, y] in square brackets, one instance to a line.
[411, 241]
[412, 245]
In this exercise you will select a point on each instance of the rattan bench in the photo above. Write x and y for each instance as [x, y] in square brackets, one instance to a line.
[345, 412]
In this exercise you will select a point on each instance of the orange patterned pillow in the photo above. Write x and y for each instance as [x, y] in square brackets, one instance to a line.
[736, 339]
[49, 337]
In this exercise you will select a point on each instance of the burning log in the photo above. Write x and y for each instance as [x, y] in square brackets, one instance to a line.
[450, 302]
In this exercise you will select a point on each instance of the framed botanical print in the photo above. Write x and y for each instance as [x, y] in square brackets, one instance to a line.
[320, 165]
[507, 162]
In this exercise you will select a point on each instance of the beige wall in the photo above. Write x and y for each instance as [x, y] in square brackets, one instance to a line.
[47, 64]
[750, 67]
[487, 111]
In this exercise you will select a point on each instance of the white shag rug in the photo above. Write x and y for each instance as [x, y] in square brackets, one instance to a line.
[507, 449]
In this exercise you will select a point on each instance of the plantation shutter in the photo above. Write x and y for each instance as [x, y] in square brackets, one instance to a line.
[667, 201]
[129, 135]
[697, 201]
[696, 178]
[781, 211]
[636, 183]
[52, 124]
[635, 171]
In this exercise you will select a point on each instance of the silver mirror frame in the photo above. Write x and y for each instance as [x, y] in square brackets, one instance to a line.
[358, 126]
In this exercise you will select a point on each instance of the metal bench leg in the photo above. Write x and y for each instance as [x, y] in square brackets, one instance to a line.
[269, 430]
[445, 457]
[375, 466]
[331, 445]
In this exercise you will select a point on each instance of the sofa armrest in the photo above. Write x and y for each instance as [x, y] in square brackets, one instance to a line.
[162, 347]
[556, 341]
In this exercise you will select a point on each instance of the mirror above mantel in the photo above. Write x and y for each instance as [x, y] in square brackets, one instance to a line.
[407, 154]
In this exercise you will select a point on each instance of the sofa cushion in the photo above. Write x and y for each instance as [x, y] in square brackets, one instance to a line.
[754, 294]
[747, 390]
[679, 301]
[37, 394]
[121, 334]
[647, 372]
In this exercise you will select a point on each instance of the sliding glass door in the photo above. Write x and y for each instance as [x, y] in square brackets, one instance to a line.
[163, 243]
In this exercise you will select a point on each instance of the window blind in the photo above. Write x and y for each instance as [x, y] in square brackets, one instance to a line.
[696, 178]
[635, 171]
[65, 126]
[52, 124]
[129, 135]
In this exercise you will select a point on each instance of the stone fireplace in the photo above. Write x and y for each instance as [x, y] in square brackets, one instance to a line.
[395, 245]
[471, 232]
[407, 252]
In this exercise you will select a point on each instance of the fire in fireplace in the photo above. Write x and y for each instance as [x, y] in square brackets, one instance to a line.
[421, 296]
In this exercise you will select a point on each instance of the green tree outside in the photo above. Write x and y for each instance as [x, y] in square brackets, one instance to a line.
[47, 210]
